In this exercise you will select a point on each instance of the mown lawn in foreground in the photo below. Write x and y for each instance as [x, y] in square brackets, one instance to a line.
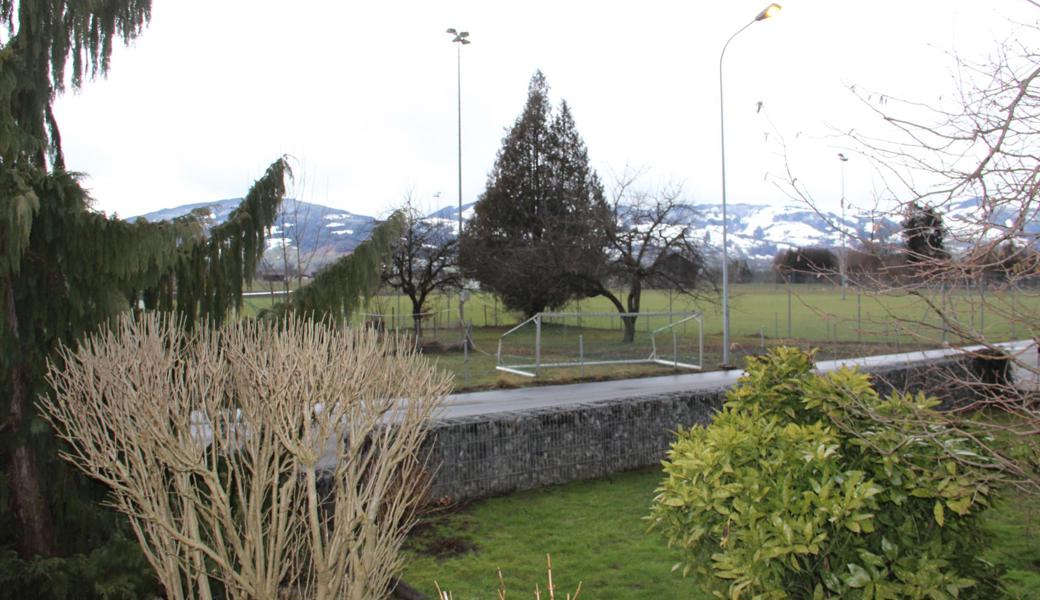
[1015, 525]
[596, 533]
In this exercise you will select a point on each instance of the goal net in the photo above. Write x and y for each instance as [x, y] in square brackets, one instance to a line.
[555, 340]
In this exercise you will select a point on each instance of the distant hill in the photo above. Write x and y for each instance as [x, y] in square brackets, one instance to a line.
[756, 231]
[322, 233]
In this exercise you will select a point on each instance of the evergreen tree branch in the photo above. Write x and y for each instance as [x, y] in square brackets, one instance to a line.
[341, 287]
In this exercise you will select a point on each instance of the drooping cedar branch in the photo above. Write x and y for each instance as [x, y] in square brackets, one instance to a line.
[338, 289]
[209, 276]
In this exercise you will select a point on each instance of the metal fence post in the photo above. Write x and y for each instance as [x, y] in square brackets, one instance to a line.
[537, 343]
[982, 309]
[789, 336]
[859, 316]
[581, 355]
[465, 356]
[700, 339]
[1014, 317]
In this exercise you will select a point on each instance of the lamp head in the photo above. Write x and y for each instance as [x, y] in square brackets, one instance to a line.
[460, 36]
[769, 11]
[842, 157]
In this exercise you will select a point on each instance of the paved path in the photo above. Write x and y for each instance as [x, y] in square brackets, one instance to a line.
[499, 401]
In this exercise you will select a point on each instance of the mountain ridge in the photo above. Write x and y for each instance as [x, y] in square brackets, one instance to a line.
[757, 232]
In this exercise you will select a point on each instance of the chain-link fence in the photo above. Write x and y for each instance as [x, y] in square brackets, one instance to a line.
[864, 322]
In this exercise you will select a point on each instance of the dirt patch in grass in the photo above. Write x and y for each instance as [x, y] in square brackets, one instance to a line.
[448, 547]
[443, 531]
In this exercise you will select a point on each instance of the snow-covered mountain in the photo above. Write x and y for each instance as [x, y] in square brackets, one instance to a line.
[449, 216]
[759, 232]
[321, 233]
[756, 231]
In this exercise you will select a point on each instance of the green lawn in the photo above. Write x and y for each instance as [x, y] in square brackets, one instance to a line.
[594, 531]
[1015, 524]
[596, 534]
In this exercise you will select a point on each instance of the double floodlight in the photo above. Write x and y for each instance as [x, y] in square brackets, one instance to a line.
[460, 36]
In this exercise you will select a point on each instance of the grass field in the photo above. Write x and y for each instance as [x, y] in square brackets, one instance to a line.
[596, 534]
[805, 315]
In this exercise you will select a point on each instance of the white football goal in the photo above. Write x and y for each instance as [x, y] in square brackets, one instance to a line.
[553, 340]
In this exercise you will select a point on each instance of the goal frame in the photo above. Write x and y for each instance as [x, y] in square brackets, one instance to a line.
[675, 319]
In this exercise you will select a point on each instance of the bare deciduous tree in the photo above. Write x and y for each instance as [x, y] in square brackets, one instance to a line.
[425, 260]
[280, 460]
[970, 162]
[649, 241]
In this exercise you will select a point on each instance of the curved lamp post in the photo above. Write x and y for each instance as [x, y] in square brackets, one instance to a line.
[461, 38]
[767, 12]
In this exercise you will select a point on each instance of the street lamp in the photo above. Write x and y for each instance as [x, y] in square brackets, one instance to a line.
[461, 38]
[766, 13]
[843, 264]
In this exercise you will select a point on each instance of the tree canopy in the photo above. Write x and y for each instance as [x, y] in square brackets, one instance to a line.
[923, 233]
[50, 41]
[536, 237]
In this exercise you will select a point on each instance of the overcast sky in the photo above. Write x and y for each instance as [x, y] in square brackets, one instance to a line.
[363, 94]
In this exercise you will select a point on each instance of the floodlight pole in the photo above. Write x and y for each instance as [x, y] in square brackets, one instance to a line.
[769, 11]
[844, 264]
[461, 38]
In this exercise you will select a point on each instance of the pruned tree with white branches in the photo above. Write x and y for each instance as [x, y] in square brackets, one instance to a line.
[264, 459]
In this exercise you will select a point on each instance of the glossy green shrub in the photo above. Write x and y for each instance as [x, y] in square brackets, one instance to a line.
[809, 486]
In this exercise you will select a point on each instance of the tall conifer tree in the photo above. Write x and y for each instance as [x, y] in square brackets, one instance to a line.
[535, 238]
[923, 233]
[65, 268]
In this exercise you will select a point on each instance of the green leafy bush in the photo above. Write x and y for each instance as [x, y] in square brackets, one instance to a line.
[116, 570]
[809, 486]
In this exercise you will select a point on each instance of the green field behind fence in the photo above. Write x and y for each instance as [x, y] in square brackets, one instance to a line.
[797, 312]
[862, 323]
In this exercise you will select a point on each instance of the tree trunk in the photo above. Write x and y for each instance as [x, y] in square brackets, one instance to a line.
[35, 535]
[635, 291]
[417, 320]
[630, 329]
